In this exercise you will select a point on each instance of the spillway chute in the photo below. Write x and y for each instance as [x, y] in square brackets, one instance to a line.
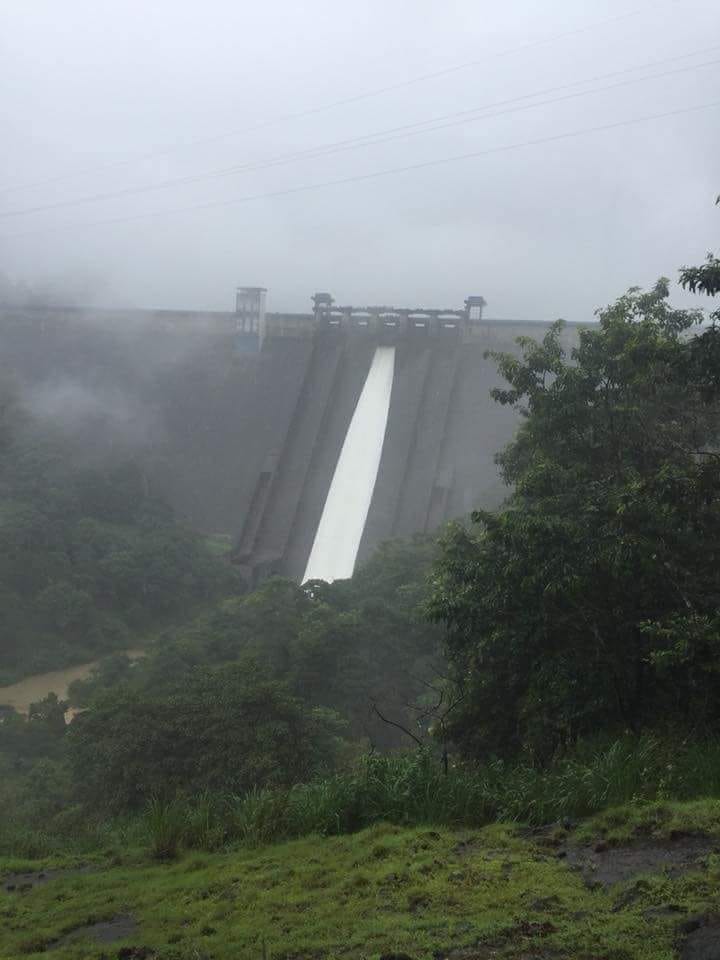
[337, 539]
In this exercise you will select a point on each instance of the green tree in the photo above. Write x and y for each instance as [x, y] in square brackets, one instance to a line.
[224, 730]
[591, 599]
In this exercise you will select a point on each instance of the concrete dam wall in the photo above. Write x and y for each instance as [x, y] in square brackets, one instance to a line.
[245, 416]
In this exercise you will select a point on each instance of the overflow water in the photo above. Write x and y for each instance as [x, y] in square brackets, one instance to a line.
[341, 526]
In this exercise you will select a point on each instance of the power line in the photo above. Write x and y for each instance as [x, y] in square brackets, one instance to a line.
[387, 135]
[346, 101]
[375, 174]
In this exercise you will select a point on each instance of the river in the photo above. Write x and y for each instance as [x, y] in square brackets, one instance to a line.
[20, 695]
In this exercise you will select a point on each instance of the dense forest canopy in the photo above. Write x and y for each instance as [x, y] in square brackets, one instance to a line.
[591, 601]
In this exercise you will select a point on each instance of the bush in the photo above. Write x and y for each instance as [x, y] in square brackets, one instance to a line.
[225, 731]
[166, 825]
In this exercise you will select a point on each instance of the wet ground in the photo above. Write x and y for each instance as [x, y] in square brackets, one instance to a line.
[606, 865]
[120, 927]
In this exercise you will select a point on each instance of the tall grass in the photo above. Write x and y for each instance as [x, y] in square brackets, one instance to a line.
[258, 817]
[167, 825]
[410, 789]
[414, 790]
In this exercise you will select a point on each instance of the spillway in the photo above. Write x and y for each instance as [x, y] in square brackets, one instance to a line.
[342, 522]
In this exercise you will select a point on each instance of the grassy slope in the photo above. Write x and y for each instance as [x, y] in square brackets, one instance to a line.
[387, 889]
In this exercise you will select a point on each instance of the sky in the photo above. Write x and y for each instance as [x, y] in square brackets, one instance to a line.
[407, 152]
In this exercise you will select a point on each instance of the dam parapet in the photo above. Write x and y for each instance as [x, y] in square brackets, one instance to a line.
[390, 324]
[381, 321]
[250, 325]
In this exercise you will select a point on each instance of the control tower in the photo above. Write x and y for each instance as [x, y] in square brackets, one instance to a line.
[250, 309]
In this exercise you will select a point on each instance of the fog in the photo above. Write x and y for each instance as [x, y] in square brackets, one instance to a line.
[544, 220]
[76, 407]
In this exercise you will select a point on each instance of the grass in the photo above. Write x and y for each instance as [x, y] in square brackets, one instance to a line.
[412, 790]
[387, 889]
[407, 790]
[393, 857]
[168, 821]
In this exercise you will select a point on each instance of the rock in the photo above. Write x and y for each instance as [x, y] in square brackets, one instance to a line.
[622, 863]
[703, 941]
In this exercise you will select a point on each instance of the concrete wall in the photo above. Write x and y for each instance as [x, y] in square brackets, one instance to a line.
[241, 434]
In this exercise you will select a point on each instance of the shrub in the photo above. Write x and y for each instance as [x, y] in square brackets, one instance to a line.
[166, 826]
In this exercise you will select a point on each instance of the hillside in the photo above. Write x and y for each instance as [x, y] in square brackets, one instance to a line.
[633, 884]
[91, 561]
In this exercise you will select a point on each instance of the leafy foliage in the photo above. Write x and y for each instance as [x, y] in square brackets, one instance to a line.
[591, 600]
[343, 646]
[702, 279]
[221, 730]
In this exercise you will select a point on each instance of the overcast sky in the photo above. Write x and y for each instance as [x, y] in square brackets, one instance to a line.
[103, 96]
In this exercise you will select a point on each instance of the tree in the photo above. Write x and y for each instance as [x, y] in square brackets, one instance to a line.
[704, 279]
[590, 601]
[87, 555]
[223, 730]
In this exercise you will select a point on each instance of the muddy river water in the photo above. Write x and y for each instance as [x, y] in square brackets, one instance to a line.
[20, 695]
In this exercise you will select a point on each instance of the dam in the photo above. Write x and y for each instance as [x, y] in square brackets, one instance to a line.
[306, 439]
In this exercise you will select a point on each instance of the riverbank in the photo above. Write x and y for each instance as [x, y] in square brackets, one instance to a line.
[637, 883]
[31, 689]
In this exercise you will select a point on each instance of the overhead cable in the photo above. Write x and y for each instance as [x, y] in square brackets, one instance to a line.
[346, 101]
[382, 136]
[373, 175]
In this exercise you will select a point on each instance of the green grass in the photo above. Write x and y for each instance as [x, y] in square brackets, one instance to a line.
[407, 790]
[386, 889]
[661, 820]
[412, 790]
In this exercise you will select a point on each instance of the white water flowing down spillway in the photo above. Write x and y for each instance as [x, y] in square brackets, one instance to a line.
[341, 526]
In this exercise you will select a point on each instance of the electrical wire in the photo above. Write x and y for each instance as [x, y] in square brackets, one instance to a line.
[357, 178]
[346, 101]
[384, 136]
